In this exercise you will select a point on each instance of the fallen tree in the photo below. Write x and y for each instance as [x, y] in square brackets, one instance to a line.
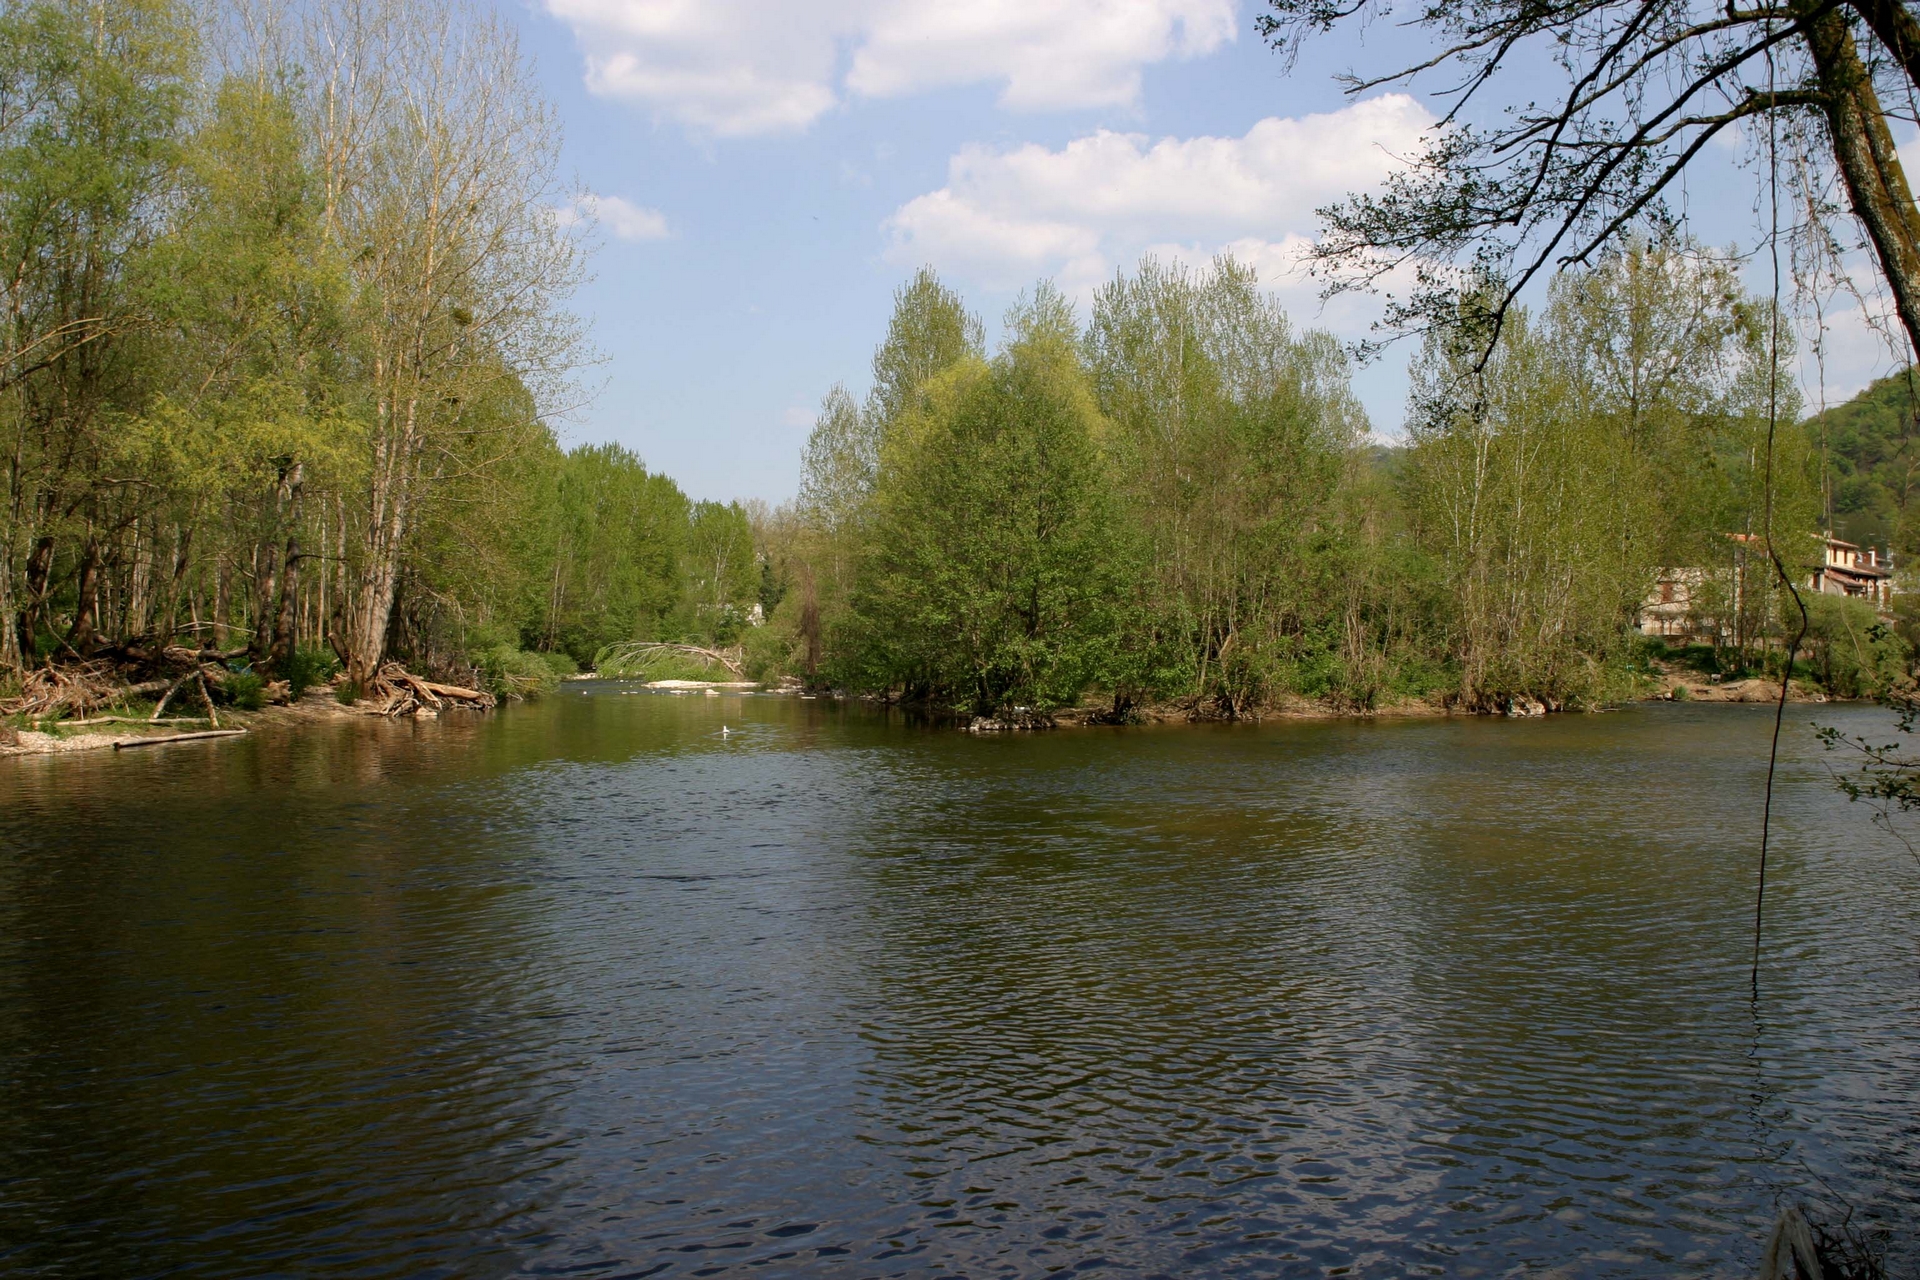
[49, 692]
[634, 656]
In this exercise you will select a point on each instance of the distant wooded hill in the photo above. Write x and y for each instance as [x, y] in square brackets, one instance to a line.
[1872, 446]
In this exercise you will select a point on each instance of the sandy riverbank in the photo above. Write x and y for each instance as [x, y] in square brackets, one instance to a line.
[319, 705]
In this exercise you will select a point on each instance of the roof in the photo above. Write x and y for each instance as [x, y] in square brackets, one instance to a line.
[1864, 571]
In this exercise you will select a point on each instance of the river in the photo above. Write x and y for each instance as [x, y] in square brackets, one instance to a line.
[590, 988]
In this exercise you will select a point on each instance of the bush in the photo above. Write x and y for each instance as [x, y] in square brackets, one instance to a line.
[509, 672]
[308, 667]
[246, 690]
[767, 653]
[348, 693]
[1850, 651]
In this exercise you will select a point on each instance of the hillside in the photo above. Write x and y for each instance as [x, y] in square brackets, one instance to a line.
[1872, 443]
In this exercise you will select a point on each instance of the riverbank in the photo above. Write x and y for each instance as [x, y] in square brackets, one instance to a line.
[320, 704]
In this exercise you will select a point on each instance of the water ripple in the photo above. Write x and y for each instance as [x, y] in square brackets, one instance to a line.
[591, 989]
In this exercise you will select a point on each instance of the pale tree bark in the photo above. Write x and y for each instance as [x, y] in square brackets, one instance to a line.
[438, 159]
[1864, 152]
[280, 646]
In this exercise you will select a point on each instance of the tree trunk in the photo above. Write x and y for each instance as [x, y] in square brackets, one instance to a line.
[80, 635]
[266, 578]
[1864, 152]
[182, 560]
[390, 489]
[140, 585]
[810, 621]
[281, 647]
[39, 567]
[267, 602]
[1896, 28]
[11, 658]
[222, 600]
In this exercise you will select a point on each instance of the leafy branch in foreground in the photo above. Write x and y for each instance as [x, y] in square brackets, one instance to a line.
[1886, 775]
[1647, 86]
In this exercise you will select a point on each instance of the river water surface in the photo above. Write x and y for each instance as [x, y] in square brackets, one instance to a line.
[586, 988]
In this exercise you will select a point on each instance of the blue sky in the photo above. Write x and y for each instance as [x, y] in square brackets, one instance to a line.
[768, 174]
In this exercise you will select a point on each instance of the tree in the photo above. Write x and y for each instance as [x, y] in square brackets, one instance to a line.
[1649, 84]
[839, 463]
[930, 330]
[1230, 435]
[438, 158]
[721, 575]
[92, 98]
[1871, 445]
[251, 393]
[1619, 434]
[991, 574]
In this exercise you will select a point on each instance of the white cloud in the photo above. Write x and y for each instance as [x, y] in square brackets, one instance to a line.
[739, 67]
[1843, 350]
[623, 219]
[1049, 53]
[1006, 217]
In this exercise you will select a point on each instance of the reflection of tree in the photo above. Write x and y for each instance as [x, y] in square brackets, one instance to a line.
[1123, 993]
[251, 1021]
[1329, 993]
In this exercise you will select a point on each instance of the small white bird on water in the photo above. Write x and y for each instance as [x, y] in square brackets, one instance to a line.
[724, 731]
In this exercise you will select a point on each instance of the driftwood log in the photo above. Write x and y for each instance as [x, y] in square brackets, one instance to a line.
[78, 690]
[395, 691]
[129, 743]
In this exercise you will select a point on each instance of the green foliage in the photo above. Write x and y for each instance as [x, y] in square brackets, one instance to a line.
[1232, 441]
[1182, 502]
[721, 577]
[1872, 447]
[1849, 650]
[615, 536]
[337, 424]
[1620, 432]
[244, 689]
[628, 662]
[308, 666]
[767, 653]
[992, 575]
[930, 331]
[508, 672]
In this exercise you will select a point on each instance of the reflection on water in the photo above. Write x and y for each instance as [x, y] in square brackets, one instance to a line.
[589, 988]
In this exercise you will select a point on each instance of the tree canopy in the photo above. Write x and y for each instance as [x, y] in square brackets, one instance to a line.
[1515, 184]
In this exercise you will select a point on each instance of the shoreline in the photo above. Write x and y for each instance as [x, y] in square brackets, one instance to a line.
[320, 705]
